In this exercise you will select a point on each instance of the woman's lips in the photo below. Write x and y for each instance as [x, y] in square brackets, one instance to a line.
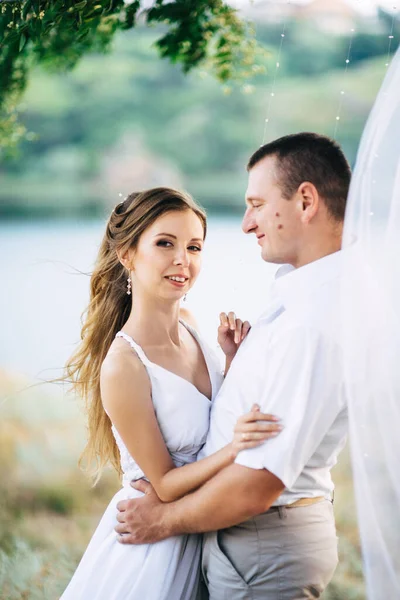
[178, 284]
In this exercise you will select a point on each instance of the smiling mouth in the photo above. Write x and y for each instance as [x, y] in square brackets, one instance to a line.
[178, 281]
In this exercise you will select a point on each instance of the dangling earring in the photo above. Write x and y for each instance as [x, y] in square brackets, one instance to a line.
[129, 286]
[184, 297]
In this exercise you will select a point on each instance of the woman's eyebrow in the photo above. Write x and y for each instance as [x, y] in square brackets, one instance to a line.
[175, 238]
[168, 234]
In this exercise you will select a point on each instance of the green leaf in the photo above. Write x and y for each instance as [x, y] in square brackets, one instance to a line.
[22, 42]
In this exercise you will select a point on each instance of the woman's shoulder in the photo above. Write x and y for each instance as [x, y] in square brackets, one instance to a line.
[120, 362]
[121, 372]
[188, 317]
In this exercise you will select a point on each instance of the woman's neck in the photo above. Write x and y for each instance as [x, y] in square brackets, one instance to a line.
[154, 322]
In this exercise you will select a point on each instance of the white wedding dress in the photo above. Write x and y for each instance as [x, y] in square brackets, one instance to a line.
[167, 570]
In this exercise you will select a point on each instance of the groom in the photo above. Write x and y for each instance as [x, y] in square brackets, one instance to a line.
[268, 518]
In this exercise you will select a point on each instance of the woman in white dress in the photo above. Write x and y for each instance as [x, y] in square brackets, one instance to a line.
[149, 380]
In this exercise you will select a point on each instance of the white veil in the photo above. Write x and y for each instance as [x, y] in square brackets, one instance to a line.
[371, 338]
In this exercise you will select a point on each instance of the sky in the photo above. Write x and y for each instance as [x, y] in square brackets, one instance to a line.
[366, 6]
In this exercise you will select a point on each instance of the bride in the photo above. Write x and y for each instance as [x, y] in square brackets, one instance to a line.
[149, 380]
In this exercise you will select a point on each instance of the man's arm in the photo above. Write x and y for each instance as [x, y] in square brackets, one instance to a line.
[234, 495]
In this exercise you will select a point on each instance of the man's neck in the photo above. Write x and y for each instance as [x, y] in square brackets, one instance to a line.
[313, 250]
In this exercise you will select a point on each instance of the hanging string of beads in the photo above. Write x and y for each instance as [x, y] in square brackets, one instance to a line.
[347, 63]
[391, 36]
[276, 73]
[342, 91]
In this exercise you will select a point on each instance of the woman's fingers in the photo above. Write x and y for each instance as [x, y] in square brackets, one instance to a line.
[238, 331]
[250, 436]
[232, 320]
[251, 440]
[255, 428]
[257, 415]
[257, 422]
[244, 424]
[223, 319]
[245, 329]
[239, 328]
[258, 427]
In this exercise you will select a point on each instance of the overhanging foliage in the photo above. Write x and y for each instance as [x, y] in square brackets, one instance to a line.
[58, 33]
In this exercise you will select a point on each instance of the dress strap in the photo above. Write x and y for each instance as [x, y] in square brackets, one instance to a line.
[135, 347]
[190, 329]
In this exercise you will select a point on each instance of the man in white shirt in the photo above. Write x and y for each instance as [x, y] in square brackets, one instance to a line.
[269, 516]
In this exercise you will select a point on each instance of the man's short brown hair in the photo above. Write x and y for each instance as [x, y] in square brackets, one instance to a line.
[314, 158]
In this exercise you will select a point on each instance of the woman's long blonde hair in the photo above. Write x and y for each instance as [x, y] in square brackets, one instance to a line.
[109, 309]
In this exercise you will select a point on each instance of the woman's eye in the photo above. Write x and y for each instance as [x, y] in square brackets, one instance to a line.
[195, 248]
[164, 243]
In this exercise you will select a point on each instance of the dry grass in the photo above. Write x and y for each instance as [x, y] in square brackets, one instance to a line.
[347, 583]
[48, 509]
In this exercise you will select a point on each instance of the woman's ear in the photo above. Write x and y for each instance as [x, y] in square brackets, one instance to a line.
[125, 258]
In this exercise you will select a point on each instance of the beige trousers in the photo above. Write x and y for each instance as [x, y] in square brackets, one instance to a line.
[290, 554]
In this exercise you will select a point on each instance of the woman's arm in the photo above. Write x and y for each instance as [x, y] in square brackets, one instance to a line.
[251, 430]
[126, 396]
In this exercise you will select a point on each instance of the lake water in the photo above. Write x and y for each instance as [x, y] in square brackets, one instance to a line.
[44, 292]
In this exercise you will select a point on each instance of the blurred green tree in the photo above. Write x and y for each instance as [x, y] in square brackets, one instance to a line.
[57, 33]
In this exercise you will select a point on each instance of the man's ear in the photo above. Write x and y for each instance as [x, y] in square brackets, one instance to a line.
[309, 198]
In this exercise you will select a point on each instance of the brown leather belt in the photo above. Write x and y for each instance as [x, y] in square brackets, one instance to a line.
[305, 501]
[300, 502]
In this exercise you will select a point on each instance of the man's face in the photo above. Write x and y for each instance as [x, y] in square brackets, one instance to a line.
[273, 219]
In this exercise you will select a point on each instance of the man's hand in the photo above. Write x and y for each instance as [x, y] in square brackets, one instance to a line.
[234, 495]
[141, 520]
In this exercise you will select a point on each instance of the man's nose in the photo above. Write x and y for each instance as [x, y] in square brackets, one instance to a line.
[248, 223]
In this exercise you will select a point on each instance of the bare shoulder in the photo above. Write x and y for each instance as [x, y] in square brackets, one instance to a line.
[188, 317]
[120, 360]
[122, 370]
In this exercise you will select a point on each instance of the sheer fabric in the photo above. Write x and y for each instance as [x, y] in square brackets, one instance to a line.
[370, 304]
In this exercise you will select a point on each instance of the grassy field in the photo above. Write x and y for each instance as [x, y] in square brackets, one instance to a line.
[48, 509]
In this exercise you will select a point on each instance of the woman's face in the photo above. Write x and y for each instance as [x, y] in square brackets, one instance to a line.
[167, 260]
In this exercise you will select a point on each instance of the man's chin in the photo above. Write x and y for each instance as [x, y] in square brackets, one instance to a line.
[270, 258]
[267, 256]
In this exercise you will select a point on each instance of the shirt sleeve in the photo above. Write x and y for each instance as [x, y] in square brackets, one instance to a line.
[302, 386]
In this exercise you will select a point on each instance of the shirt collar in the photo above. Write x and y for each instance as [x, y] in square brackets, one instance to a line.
[291, 286]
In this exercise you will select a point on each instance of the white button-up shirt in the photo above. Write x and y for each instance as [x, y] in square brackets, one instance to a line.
[291, 365]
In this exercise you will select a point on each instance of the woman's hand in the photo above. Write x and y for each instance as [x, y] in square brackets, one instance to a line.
[231, 333]
[254, 428]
